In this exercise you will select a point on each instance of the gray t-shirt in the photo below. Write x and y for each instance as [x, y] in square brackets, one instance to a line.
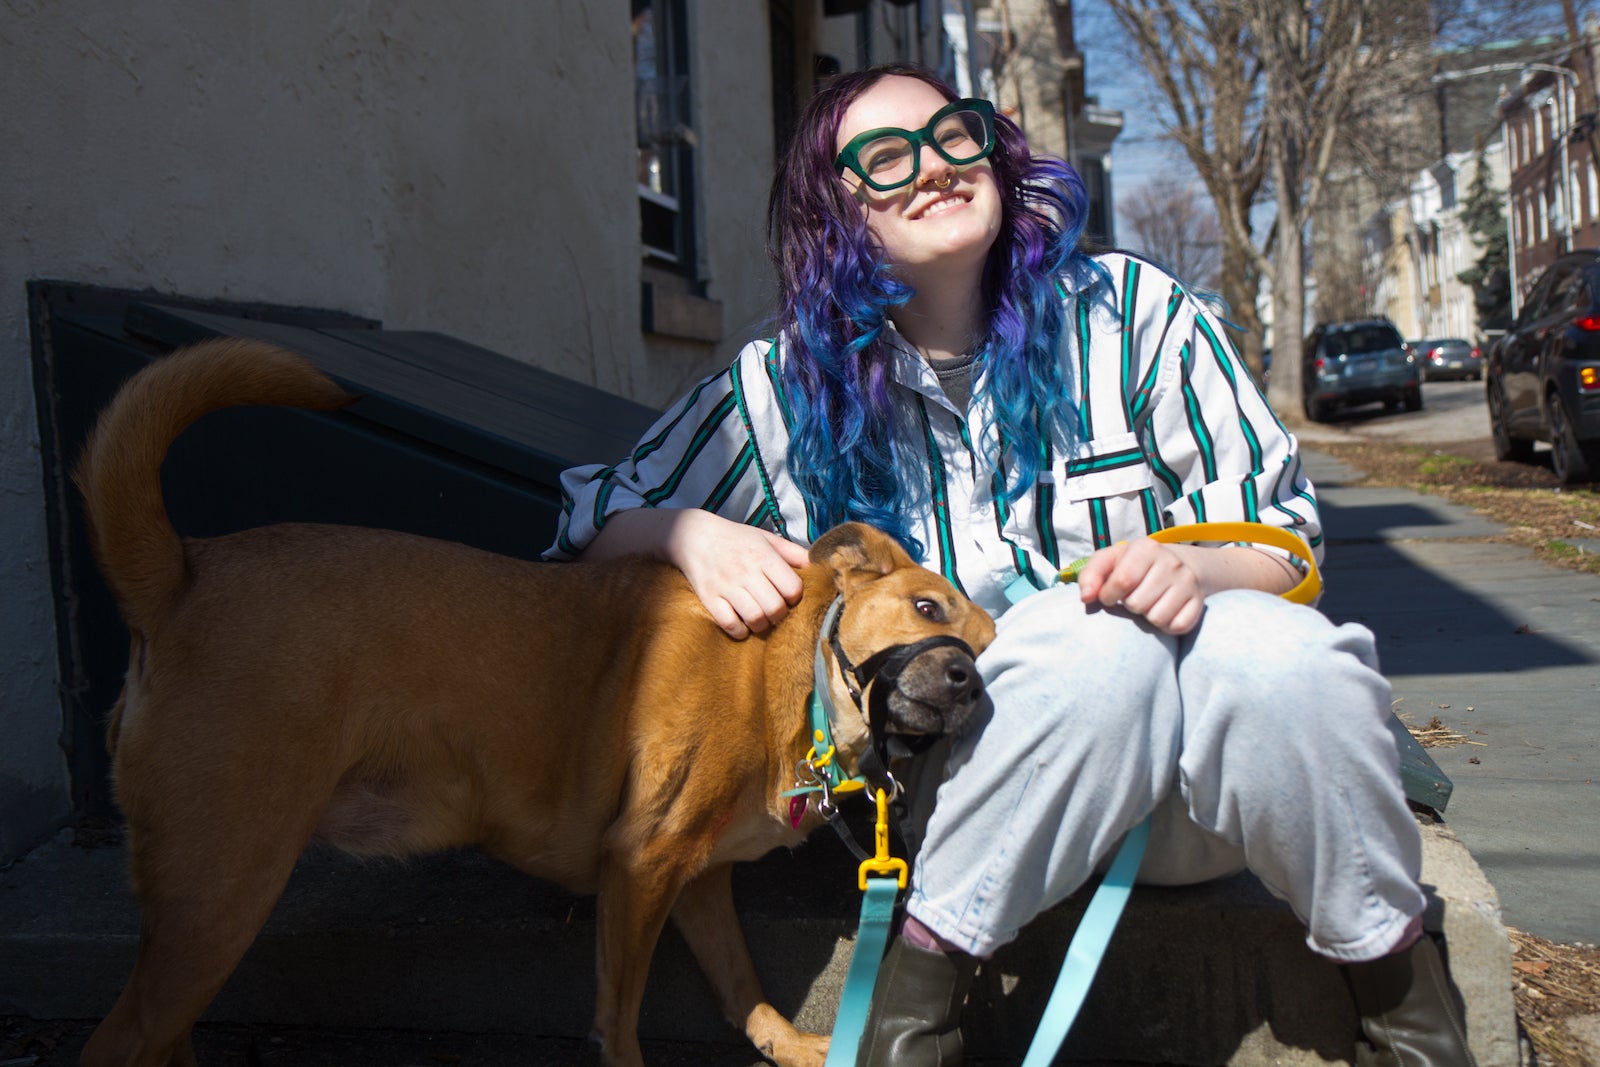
[955, 378]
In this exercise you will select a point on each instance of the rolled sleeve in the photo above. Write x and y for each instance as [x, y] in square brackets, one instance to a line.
[1216, 436]
[703, 453]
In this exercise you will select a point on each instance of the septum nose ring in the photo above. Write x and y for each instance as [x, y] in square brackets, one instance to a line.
[945, 184]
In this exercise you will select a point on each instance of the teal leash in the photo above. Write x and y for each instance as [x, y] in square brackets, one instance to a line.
[1088, 948]
[1089, 940]
[872, 936]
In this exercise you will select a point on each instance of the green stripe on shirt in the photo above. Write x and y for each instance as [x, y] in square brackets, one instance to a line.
[941, 499]
[1130, 312]
[702, 437]
[736, 378]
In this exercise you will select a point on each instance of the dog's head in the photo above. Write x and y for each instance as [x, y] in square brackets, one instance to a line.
[903, 643]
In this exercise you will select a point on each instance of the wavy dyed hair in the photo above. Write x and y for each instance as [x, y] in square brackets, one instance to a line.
[850, 453]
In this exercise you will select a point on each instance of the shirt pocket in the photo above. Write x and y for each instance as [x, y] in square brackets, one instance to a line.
[1104, 467]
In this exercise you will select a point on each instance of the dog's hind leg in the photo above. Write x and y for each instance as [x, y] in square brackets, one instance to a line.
[202, 907]
[706, 917]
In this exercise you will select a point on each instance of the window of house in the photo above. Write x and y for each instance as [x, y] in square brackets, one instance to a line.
[666, 139]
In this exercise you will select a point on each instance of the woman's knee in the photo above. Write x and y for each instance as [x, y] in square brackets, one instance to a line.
[1056, 662]
[1280, 650]
[1264, 670]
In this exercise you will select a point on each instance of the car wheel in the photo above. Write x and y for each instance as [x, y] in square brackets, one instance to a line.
[1506, 448]
[1568, 457]
[1316, 410]
[1413, 399]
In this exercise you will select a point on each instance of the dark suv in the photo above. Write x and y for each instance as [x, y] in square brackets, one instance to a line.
[1348, 363]
[1543, 376]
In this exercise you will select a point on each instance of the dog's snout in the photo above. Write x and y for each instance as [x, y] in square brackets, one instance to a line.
[961, 675]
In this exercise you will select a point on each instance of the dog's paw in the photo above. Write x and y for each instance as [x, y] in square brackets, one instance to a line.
[797, 1049]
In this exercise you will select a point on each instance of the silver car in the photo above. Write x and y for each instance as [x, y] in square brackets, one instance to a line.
[1345, 364]
[1444, 358]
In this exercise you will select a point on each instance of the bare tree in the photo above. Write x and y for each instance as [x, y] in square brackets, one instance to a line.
[1168, 222]
[1200, 57]
[1259, 93]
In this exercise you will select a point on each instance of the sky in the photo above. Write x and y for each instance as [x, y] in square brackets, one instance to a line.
[1114, 74]
[1111, 72]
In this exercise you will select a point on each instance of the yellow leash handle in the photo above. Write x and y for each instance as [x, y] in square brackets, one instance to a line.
[1257, 533]
[882, 863]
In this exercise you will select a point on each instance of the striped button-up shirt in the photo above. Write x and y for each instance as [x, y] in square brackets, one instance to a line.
[1174, 431]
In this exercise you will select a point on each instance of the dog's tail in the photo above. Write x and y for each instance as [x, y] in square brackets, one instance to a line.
[120, 473]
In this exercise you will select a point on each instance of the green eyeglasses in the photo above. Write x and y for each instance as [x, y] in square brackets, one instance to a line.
[888, 158]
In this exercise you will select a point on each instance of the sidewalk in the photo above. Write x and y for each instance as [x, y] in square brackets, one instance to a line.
[447, 958]
[1505, 650]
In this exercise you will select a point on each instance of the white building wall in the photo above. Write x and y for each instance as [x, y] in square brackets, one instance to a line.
[467, 169]
[1418, 286]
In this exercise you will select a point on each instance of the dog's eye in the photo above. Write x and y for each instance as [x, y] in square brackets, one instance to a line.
[929, 609]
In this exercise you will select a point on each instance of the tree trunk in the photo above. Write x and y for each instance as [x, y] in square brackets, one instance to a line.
[1241, 285]
[1288, 284]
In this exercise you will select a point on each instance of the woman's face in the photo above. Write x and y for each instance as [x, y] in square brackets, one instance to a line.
[921, 224]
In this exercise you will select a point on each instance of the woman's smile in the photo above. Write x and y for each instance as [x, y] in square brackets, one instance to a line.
[964, 199]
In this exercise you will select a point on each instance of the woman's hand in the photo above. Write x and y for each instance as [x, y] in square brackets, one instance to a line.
[745, 576]
[1168, 584]
[1147, 578]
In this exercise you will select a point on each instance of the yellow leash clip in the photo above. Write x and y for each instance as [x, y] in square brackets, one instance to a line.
[883, 863]
[1258, 533]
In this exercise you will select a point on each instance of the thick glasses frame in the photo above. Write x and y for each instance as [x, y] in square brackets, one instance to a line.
[850, 158]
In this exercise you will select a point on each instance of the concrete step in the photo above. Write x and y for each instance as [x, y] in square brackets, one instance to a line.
[1215, 974]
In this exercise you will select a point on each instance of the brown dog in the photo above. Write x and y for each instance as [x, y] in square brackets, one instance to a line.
[393, 694]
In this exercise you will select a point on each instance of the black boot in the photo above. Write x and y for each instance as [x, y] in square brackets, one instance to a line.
[1411, 1013]
[915, 1019]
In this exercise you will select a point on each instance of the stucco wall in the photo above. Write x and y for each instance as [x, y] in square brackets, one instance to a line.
[461, 168]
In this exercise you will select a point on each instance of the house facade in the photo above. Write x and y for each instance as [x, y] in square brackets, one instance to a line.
[1554, 188]
[1414, 249]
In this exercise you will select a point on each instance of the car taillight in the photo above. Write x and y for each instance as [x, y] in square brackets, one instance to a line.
[1475, 353]
[1589, 379]
[1590, 323]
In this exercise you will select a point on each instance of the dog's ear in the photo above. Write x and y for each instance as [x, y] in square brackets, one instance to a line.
[857, 553]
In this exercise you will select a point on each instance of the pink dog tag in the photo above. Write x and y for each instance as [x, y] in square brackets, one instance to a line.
[797, 810]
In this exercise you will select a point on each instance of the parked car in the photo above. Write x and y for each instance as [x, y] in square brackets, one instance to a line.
[1443, 358]
[1542, 379]
[1345, 364]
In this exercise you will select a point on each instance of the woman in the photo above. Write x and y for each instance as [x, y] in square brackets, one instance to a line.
[953, 369]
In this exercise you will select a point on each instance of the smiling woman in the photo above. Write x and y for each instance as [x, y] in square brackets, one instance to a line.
[952, 367]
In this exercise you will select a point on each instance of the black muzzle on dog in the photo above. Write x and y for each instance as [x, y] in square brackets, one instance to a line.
[880, 673]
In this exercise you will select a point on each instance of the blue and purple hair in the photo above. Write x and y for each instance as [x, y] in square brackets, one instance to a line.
[848, 452]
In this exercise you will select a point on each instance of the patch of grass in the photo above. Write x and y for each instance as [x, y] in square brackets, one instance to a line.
[1442, 466]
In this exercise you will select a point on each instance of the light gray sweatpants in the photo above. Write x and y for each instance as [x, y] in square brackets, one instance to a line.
[1258, 740]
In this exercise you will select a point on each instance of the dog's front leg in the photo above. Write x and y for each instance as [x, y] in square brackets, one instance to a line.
[637, 891]
[705, 916]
